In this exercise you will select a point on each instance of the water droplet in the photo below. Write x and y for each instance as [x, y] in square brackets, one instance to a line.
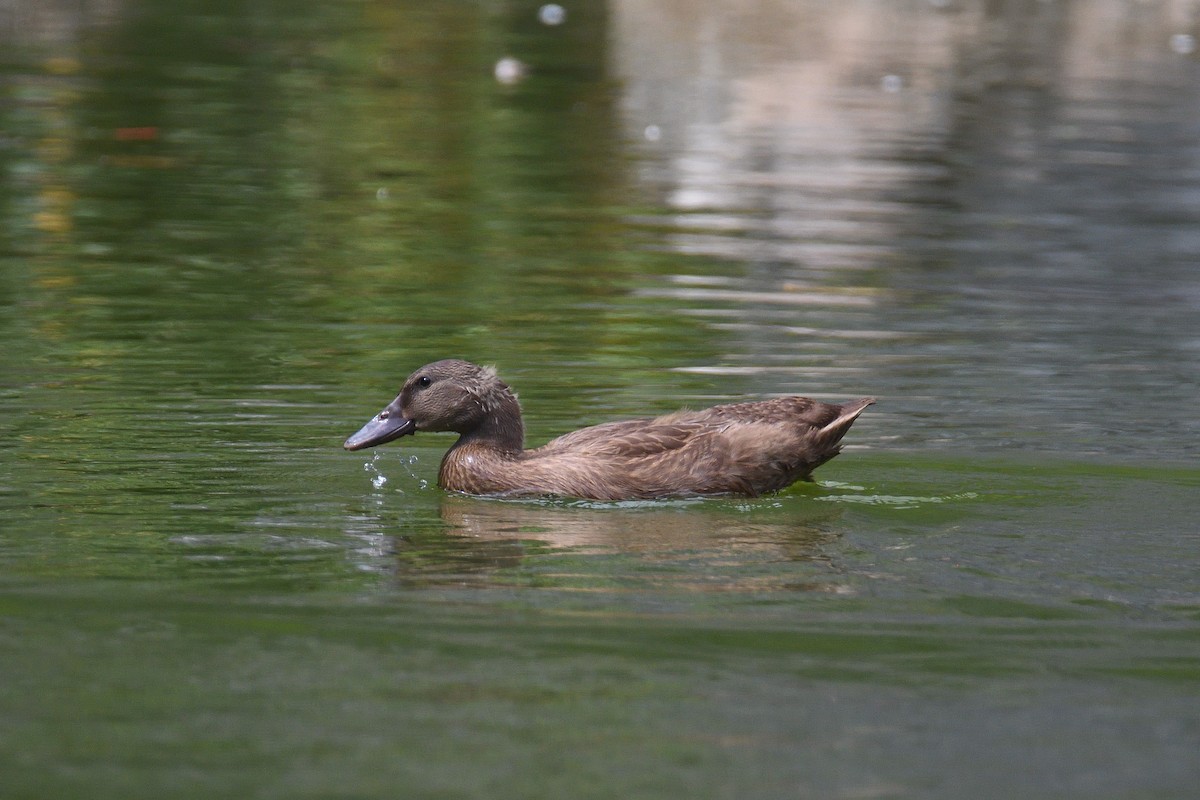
[378, 481]
[552, 14]
[1183, 43]
[509, 70]
[382, 193]
[891, 83]
[652, 133]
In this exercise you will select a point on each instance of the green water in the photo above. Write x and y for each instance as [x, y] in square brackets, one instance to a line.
[230, 231]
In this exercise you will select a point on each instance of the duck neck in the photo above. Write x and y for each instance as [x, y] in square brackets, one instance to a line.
[501, 429]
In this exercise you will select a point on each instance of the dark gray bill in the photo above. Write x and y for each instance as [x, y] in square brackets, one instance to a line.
[382, 428]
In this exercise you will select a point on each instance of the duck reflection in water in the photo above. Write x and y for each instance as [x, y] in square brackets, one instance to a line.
[739, 448]
[778, 544]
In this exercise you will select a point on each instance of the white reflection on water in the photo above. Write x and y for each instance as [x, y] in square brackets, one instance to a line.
[509, 70]
[985, 215]
[1183, 43]
[552, 14]
[779, 110]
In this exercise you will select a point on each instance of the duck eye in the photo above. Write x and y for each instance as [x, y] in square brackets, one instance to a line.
[423, 381]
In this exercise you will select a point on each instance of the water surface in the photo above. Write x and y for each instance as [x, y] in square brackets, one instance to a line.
[229, 233]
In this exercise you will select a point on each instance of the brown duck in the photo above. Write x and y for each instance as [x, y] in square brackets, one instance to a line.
[739, 448]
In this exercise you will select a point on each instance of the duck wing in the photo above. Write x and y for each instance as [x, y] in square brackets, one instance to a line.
[740, 448]
[632, 438]
[636, 438]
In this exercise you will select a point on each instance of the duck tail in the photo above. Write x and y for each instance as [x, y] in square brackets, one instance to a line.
[828, 438]
[849, 412]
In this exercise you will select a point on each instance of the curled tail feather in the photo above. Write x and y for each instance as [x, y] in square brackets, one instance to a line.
[829, 437]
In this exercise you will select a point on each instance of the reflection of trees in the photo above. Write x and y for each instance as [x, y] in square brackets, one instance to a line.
[59, 24]
[299, 164]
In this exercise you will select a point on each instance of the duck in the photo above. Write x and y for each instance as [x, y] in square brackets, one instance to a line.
[746, 448]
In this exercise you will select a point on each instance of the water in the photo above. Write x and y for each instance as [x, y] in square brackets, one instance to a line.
[229, 233]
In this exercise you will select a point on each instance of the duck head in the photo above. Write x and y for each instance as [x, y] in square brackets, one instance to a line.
[448, 395]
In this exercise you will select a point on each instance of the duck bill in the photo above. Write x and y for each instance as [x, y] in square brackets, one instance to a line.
[381, 429]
